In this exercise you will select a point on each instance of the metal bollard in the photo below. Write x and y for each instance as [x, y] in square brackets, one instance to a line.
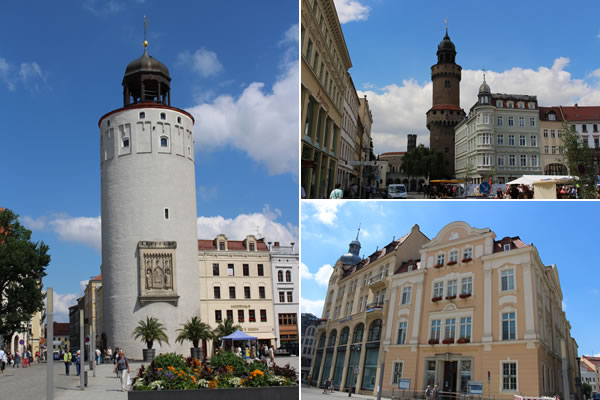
[85, 376]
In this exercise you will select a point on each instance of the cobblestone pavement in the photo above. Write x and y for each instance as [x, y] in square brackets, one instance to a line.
[312, 393]
[30, 383]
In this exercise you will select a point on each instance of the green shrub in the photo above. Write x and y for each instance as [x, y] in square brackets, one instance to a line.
[225, 358]
[257, 365]
[169, 360]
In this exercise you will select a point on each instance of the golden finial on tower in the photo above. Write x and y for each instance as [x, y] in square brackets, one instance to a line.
[145, 31]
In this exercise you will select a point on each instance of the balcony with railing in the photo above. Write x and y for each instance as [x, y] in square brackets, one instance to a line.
[374, 309]
[378, 281]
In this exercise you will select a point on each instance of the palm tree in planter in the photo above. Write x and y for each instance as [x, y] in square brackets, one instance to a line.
[149, 331]
[223, 329]
[195, 330]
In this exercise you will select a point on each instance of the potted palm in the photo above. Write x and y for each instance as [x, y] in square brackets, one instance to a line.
[149, 331]
[195, 330]
[223, 329]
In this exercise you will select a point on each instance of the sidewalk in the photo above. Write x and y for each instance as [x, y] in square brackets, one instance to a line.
[104, 385]
[312, 393]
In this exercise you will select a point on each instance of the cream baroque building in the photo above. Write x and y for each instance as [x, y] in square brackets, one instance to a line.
[467, 306]
[236, 283]
[325, 62]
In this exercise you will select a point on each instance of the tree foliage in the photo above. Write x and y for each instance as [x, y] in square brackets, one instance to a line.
[579, 159]
[223, 329]
[423, 161]
[150, 330]
[22, 266]
[194, 330]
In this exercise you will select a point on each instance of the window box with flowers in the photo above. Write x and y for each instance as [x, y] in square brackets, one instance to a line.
[434, 299]
[448, 341]
[240, 319]
[464, 295]
[450, 297]
[438, 265]
[434, 341]
[452, 262]
[252, 319]
[463, 340]
[467, 259]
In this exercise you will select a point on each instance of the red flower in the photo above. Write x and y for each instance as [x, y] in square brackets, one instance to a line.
[434, 341]
[438, 298]
[466, 259]
[464, 295]
[451, 262]
[450, 297]
[448, 341]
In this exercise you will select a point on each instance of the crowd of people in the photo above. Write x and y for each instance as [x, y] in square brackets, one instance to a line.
[264, 353]
[18, 359]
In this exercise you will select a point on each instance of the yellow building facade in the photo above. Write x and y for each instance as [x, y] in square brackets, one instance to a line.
[236, 283]
[467, 308]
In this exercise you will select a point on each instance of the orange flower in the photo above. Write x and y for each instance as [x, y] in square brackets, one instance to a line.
[229, 368]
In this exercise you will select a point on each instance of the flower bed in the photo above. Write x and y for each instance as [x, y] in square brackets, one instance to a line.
[464, 295]
[224, 371]
[434, 299]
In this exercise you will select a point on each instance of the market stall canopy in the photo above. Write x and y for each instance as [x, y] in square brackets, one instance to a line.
[238, 335]
[533, 179]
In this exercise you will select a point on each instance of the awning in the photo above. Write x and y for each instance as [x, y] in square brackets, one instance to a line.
[238, 335]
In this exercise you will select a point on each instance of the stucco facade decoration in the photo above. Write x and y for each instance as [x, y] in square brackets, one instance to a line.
[349, 334]
[148, 197]
[499, 138]
[235, 283]
[286, 294]
[324, 64]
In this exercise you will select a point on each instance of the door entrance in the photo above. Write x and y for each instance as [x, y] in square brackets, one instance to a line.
[450, 375]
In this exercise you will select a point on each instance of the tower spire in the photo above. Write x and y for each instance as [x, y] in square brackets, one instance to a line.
[357, 233]
[446, 21]
[145, 33]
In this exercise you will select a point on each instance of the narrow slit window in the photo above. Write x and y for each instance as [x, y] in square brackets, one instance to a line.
[163, 116]
[142, 115]
[164, 141]
[125, 142]
[178, 120]
[166, 213]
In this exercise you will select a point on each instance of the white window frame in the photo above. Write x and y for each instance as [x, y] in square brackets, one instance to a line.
[533, 140]
[500, 140]
[467, 282]
[468, 323]
[511, 140]
[522, 122]
[452, 288]
[508, 361]
[395, 378]
[450, 329]
[468, 250]
[514, 280]
[406, 295]
[438, 289]
[453, 256]
[400, 323]
[441, 257]
[503, 311]
[439, 329]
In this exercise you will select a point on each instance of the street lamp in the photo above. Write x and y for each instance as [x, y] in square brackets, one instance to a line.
[352, 348]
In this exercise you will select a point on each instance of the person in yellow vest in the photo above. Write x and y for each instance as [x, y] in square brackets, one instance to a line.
[67, 358]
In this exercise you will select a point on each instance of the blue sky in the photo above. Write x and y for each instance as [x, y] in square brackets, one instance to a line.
[527, 48]
[565, 234]
[233, 65]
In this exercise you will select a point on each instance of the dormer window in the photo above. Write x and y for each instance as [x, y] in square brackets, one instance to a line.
[499, 103]
[510, 104]
[221, 245]
[551, 116]
[506, 247]
[521, 104]
[251, 246]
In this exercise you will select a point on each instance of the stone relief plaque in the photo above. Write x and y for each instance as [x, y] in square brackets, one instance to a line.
[157, 271]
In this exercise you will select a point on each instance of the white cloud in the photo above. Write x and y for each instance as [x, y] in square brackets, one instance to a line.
[314, 307]
[30, 71]
[290, 36]
[400, 109]
[351, 10]
[5, 74]
[321, 277]
[85, 230]
[564, 306]
[27, 73]
[246, 224]
[262, 123]
[101, 8]
[34, 224]
[326, 210]
[62, 302]
[203, 61]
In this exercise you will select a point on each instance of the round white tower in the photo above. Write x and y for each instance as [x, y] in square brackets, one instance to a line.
[149, 231]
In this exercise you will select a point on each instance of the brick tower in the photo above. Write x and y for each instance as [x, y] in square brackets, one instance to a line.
[445, 112]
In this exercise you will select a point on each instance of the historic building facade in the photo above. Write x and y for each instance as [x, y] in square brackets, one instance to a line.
[347, 172]
[466, 305]
[552, 148]
[350, 332]
[499, 138]
[325, 62]
[286, 294]
[235, 283]
[445, 112]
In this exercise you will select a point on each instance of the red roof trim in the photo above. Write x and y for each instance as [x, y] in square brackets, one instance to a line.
[145, 105]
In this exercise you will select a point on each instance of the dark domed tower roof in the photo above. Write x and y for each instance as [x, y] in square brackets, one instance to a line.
[484, 88]
[147, 63]
[446, 50]
[146, 80]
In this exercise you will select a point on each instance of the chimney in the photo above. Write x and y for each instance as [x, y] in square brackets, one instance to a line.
[276, 244]
[292, 243]
[576, 105]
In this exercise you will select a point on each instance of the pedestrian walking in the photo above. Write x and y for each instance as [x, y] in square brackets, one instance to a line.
[123, 366]
[78, 362]
[17, 359]
[435, 394]
[326, 386]
[337, 193]
[2, 360]
[67, 359]
[272, 356]
[428, 393]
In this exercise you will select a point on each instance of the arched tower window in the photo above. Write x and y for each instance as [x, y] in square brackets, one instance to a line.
[288, 276]
[279, 276]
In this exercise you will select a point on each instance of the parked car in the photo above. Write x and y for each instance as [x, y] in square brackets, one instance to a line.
[397, 191]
